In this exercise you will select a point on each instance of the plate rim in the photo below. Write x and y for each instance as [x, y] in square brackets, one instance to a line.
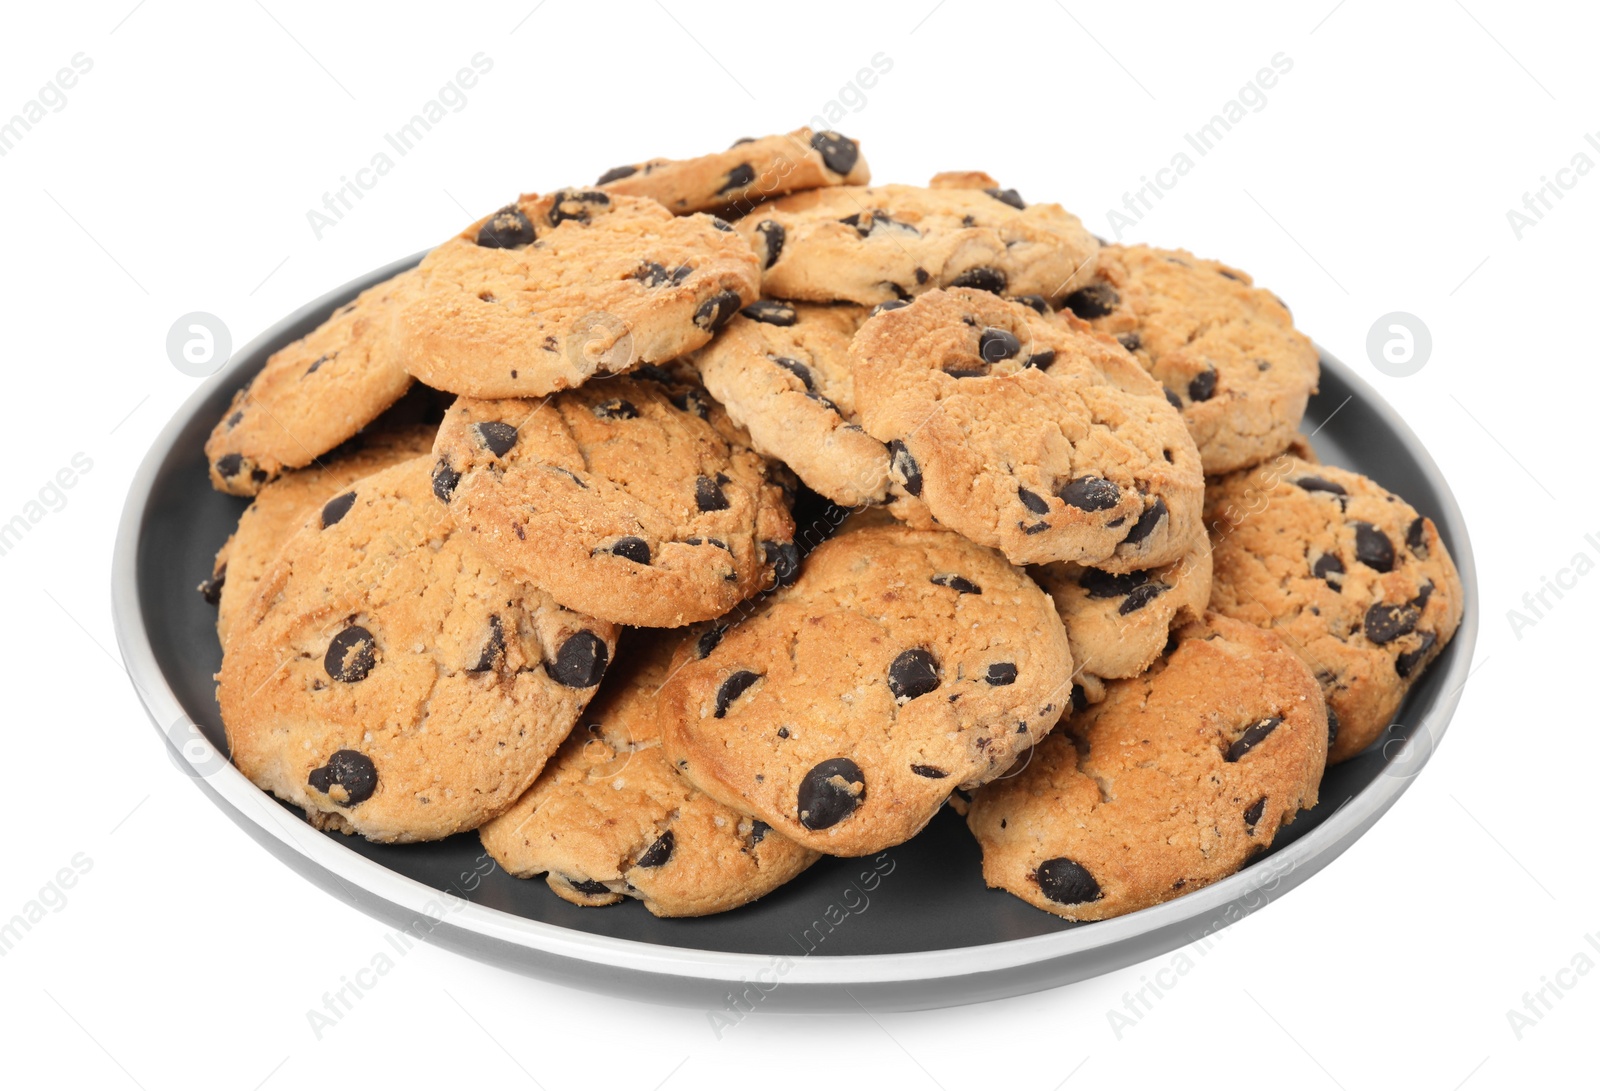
[260, 814]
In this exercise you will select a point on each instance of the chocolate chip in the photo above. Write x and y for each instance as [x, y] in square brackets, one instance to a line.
[1133, 343]
[783, 732]
[1034, 528]
[758, 830]
[983, 278]
[732, 686]
[956, 371]
[573, 204]
[1001, 674]
[1107, 585]
[506, 230]
[349, 769]
[497, 436]
[1142, 597]
[1384, 623]
[229, 466]
[1067, 882]
[797, 369]
[1421, 600]
[1329, 568]
[689, 400]
[1203, 385]
[774, 312]
[653, 274]
[616, 173]
[1313, 483]
[1407, 662]
[630, 548]
[318, 362]
[1032, 501]
[494, 651]
[445, 480]
[1090, 493]
[913, 673]
[616, 409]
[1041, 359]
[1333, 726]
[739, 177]
[1146, 523]
[350, 655]
[1078, 698]
[1038, 302]
[707, 641]
[708, 495]
[658, 853]
[932, 772]
[714, 313]
[959, 584]
[1093, 301]
[1007, 197]
[784, 557]
[1172, 398]
[211, 588]
[337, 508]
[593, 888]
[772, 236]
[580, 661]
[1252, 814]
[1373, 548]
[828, 793]
[1417, 537]
[1251, 738]
[720, 224]
[889, 305]
[996, 344]
[839, 153]
[905, 467]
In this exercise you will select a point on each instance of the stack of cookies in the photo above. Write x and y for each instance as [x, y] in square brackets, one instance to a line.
[675, 531]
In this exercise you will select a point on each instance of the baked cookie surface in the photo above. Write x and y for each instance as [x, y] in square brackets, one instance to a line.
[876, 243]
[747, 173]
[783, 372]
[1028, 433]
[389, 681]
[312, 395]
[1225, 351]
[1347, 573]
[901, 665]
[1172, 782]
[609, 817]
[623, 499]
[552, 290]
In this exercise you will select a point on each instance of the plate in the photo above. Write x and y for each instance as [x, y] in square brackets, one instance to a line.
[911, 928]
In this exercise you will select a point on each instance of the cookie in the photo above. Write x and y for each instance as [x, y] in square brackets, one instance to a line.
[782, 372]
[389, 681]
[901, 665]
[1117, 623]
[552, 290]
[609, 817]
[1227, 353]
[1347, 573]
[621, 499]
[749, 172]
[311, 395]
[284, 504]
[1172, 782]
[1028, 432]
[873, 244]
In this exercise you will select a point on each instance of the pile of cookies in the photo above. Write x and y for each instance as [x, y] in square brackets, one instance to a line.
[677, 530]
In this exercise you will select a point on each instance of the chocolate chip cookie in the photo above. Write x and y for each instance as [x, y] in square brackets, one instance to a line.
[878, 243]
[1347, 573]
[782, 372]
[311, 395]
[552, 290]
[749, 172]
[622, 499]
[387, 679]
[901, 665]
[609, 817]
[284, 504]
[1172, 782]
[1029, 433]
[1227, 353]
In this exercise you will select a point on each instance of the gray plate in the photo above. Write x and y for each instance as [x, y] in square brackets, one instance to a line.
[913, 928]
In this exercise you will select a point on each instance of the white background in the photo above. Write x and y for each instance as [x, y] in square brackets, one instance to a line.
[1376, 178]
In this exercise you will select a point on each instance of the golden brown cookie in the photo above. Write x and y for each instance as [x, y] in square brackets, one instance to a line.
[552, 290]
[901, 665]
[1347, 573]
[609, 817]
[389, 681]
[1172, 782]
